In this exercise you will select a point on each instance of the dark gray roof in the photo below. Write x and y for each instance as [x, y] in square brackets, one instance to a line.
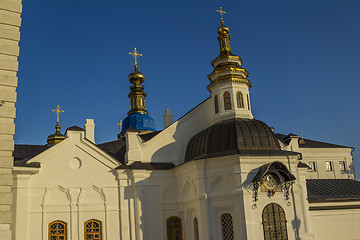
[308, 143]
[115, 148]
[332, 190]
[148, 166]
[75, 128]
[234, 136]
[277, 168]
[24, 151]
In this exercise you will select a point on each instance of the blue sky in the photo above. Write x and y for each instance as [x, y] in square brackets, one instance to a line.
[302, 56]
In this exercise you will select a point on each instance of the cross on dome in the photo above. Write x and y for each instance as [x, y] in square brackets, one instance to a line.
[120, 125]
[136, 55]
[58, 112]
[221, 14]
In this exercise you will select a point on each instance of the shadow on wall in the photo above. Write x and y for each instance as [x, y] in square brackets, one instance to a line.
[349, 171]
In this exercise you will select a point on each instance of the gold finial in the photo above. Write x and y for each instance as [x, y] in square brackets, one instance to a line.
[120, 124]
[135, 54]
[221, 15]
[302, 141]
[58, 112]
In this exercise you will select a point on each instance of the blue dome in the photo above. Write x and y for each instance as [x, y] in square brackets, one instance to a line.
[140, 121]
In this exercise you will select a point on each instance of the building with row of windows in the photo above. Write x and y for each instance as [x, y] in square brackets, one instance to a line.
[215, 173]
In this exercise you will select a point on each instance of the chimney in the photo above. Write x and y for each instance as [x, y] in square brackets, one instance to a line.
[90, 130]
[168, 118]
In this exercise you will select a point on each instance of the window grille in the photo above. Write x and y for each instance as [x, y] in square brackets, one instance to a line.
[227, 101]
[227, 226]
[93, 229]
[196, 229]
[342, 166]
[274, 222]
[328, 166]
[57, 230]
[216, 104]
[240, 100]
[174, 228]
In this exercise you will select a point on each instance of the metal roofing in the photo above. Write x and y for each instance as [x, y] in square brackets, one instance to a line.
[148, 166]
[234, 136]
[23, 151]
[308, 143]
[331, 190]
[115, 148]
[75, 128]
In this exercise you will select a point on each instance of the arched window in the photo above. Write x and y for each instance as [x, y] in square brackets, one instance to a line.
[57, 230]
[216, 104]
[196, 229]
[248, 101]
[240, 100]
[227, 226]
[174, 229]
[92, 229]
[274, 222]
[227, 101]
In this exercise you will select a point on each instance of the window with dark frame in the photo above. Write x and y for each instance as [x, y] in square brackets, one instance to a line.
[240, 100]
[227, 226]
[274, 222]
[196, 229]
[248, 101]
[227, 101]
[174, 228]
[216, 102]
[312, 166]
[342, 166]
[328, 166]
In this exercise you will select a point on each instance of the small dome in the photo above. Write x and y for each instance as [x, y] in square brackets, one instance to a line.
[223, 30]
[139, 121]
[136, 77]
[234, 136]
[56, 137]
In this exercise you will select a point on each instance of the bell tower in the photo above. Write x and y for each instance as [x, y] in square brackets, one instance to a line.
[229, 85]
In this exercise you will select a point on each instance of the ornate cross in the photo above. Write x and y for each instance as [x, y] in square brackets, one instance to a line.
[221, 13]
[58, 112]
[120, 123]
[136, 55]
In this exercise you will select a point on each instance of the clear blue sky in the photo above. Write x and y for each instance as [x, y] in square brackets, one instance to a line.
[302, 56]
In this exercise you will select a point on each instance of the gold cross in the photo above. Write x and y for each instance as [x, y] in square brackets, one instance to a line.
[136, 55]
[120, 124]
[58, 111]
[221, 13]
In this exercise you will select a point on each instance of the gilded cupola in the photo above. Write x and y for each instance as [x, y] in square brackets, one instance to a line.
[57, 136]
[138, 117]
[227, 66]
[229, 86]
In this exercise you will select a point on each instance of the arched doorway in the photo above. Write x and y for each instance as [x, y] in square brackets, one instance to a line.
[274, 222]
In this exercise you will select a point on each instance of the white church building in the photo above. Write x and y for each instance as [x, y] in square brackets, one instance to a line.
[215, 173]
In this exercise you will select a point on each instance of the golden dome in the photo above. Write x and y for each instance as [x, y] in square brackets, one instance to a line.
[223, 30]
[136, 77]
[56, 137]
